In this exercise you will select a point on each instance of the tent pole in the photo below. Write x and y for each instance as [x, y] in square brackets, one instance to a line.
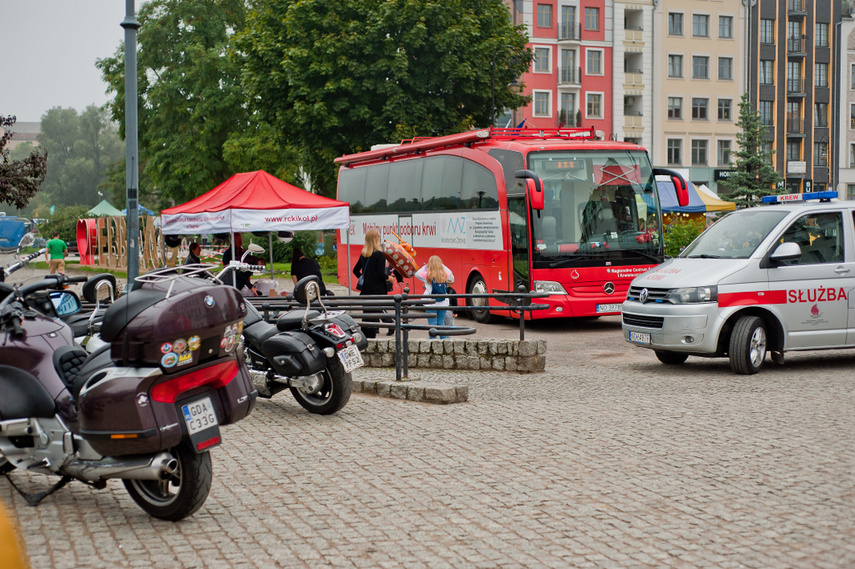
[270, 235]
[348, 261]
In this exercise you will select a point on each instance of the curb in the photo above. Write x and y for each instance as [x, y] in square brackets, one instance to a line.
[413, 390]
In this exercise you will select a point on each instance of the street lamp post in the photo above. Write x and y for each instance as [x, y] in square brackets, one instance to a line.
[131, 25]
[514, 87]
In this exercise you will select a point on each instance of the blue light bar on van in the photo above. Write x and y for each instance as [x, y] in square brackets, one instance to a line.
[821, 196]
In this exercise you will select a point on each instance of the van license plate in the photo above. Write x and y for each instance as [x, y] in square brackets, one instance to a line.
[199, 415]
[351, 358]
[639, 337]
[603, 308]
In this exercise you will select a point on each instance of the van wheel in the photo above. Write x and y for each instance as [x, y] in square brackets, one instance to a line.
[478, 286]
[671, 358]
[748, 345]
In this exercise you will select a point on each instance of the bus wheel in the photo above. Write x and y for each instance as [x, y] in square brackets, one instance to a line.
[478, 286]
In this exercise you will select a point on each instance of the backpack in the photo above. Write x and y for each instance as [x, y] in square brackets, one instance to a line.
[438, 288]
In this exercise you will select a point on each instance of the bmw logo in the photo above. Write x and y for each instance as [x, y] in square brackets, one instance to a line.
[642, 297]
[609, 288]
[209, 301]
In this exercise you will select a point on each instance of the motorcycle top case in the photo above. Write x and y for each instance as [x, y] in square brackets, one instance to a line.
[174, 329]
[143, 414]
[294, 354]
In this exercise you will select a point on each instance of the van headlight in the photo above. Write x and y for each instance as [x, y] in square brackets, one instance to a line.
[550, 287]
[691, 295]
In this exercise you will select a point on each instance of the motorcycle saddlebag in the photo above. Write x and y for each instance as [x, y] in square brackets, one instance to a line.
[294, 354]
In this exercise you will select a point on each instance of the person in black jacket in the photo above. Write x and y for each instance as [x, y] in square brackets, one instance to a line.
[302, 266]
[372, 265]
[240, 279]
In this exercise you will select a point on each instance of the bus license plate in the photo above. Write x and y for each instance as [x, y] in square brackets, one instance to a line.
[639, 337]
[351, 358]
[199, 415]
[603, 308]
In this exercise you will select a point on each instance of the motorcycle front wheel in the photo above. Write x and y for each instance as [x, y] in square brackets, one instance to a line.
[330, 391]
[180, 495]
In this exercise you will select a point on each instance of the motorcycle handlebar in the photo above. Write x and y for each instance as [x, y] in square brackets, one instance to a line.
[22, 262]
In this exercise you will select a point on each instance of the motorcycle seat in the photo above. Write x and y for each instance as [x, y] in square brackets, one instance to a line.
[294, 320]
[256, 333]
[22, 395]
[75, 365]
[80, 323]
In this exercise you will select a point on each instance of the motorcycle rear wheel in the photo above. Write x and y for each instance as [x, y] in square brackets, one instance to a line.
[333, 393]
[182, 494]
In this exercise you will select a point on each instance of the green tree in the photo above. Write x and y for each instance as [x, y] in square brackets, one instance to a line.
[191, 100]
[336, 76]
[81, 149]
[64, 220]
[19, 179]
[755, 176]
[680, 232]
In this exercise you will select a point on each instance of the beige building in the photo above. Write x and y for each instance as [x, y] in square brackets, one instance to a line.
[24, 132]
[700, 65]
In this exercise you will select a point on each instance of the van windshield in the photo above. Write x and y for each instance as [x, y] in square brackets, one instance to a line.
[735, 236]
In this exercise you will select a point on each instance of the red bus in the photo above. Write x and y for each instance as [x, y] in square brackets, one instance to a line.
[557, 211]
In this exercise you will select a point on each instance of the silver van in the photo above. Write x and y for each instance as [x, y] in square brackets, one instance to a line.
[770, 279]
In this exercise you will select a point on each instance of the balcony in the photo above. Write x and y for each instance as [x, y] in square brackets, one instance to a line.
[796, 46]
[633, 120]
[634, 78]
[569, 31]
[634, 36]
[569, 76]
[796, 86]
[795, 127]
[796, 8]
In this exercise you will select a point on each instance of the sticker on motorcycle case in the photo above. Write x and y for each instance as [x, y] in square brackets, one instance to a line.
[166, 348]
[185, 358]
[178, 346]
[194, 342]
[169, 360]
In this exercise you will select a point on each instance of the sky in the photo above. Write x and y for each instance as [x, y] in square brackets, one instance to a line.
[49, 49]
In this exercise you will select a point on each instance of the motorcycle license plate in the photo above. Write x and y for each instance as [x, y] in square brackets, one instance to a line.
[199, 415]
[351, 358]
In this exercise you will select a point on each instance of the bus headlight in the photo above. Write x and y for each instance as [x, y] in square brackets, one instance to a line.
[691, 295]
[550, 287]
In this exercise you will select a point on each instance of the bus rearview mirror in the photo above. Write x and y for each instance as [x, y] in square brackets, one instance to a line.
[533, 187]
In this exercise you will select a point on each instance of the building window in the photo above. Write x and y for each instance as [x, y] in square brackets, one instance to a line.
[675, 24]
[699, 108]
[765, 110]
[767, 31]
[725, 68]
[592, 19]
[723, 152]
[700, 25]
[675, 66]
[821, 36]
[794, 151]
[594, 105]
[544, 16]
[568, 105]
[725, 109]
[852, 77]
[542, 104]
[851, 116]
[794, 77]
[541, 60]
[766, 149]
[700, 67]
[820, 115]
[852, 155]
[568, 23]
[850, 189]
[725, 27]
[821, 75]
[699, 152]
[767, 72]
[675, 145]
[594, 62]
[820, 154]
[675, 107]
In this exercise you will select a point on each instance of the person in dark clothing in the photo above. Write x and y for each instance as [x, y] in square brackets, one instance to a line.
[302, 266]
[241, 278]
[372, 265]
[193, 255]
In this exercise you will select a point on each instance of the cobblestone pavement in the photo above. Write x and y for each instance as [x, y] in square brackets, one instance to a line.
[607, 459]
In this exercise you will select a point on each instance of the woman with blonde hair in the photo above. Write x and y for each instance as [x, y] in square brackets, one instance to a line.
[371, 269]
[436, 277]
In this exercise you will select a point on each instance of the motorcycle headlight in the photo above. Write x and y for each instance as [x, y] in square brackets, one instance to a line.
[550, 287]
[692, 295]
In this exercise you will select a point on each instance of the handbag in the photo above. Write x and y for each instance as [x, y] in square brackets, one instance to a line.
[453, 300]
[361, 282]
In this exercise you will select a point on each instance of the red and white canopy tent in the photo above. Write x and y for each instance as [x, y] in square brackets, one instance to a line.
[255, 201]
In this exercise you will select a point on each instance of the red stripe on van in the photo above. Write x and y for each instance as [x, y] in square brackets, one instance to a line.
[752, 298]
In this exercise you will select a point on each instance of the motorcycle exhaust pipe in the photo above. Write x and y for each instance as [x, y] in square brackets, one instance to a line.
[157, 467]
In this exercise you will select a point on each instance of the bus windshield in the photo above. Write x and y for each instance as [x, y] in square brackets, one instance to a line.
[599, 206]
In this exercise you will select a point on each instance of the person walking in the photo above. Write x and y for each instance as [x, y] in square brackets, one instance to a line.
[370, 269]
[436, 277]
[55, 254]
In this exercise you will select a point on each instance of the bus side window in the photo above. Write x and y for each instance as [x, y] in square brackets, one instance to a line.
[478, 190]
[351, 188]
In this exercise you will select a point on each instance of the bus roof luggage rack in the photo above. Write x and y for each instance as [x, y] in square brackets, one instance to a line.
[540, 133]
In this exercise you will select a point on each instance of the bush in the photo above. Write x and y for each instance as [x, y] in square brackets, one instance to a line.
[680, 232]
[64, 220]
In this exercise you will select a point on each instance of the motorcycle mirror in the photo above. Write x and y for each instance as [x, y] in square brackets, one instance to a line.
[65, 303]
